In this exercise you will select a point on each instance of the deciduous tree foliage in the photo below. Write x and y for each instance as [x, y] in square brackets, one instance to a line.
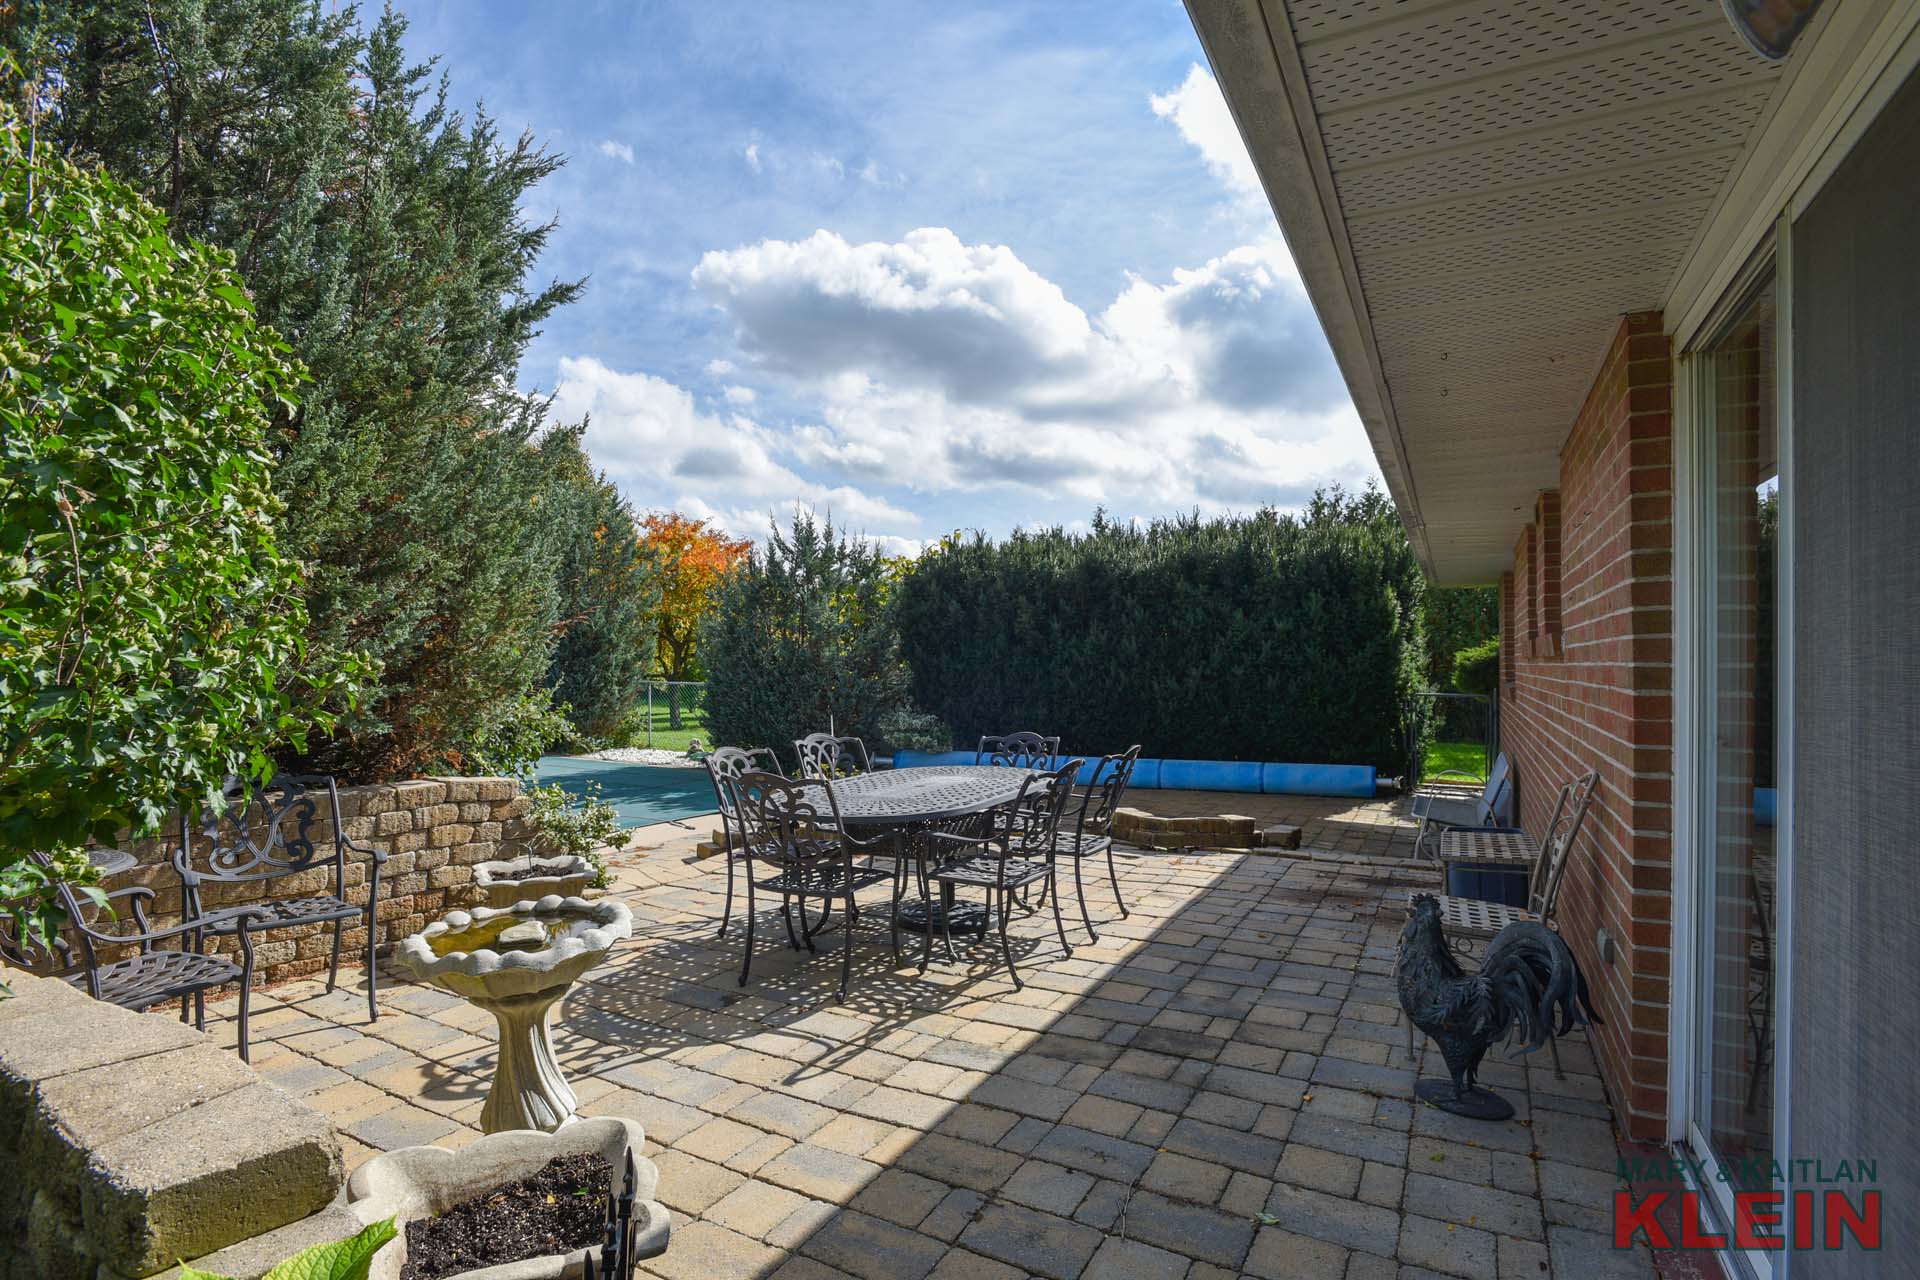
[800, 636]
[693, 557]
[1267, 637]
[382, 233]
[151, 624]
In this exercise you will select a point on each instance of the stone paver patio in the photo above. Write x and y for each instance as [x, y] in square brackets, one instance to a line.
[1218, 1088]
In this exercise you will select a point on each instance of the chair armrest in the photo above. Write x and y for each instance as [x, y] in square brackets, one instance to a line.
[195, 925]
[969, 842]
[379, 856]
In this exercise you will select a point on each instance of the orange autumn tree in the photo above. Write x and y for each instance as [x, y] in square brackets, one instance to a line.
[695, 557]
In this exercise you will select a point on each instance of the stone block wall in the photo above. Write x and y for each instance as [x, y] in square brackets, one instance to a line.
[433, 830]
[128, 1142]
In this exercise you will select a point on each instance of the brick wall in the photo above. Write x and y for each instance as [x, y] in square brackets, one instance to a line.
[1587, 683]
[433, 829]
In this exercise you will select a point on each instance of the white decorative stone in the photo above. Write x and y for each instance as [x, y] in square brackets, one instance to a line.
[520, 988]
[423, 1182]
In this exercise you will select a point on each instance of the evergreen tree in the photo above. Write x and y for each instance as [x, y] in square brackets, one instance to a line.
[802, 636]
[610, 585]
[381, 233]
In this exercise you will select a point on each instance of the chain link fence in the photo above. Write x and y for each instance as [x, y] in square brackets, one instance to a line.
[1465, 727]
[672, 714]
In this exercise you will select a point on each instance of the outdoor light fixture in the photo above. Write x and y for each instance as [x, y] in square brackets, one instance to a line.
[1770, 26]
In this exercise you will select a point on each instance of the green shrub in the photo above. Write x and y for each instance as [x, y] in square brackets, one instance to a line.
[1269, 637]
[152, 628]
[801, 636]
[579, 826]
[387, 235]
[1476, 668]
[522, 731]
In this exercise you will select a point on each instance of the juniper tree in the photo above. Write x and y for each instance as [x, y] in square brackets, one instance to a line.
[381, 233]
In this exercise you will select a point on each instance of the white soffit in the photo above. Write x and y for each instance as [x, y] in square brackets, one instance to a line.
[1476, 191]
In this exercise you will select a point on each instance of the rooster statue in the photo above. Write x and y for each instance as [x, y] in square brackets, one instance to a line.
[1527, 986]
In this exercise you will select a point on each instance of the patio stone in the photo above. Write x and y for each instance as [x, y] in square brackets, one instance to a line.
[1130, 1260]
[1039, 1242]
[1231, 1050]
[1448, 1248]
[873, 1249]
[1195, 1230]
[1281, 1253]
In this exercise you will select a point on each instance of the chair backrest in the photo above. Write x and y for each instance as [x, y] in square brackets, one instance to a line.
[264, 832]
[821, 755]
[1569, 812]
[725, 764]
[1104, 791]
[1040, 805]
[783, 820]
[1023, 750]
[1496, 798]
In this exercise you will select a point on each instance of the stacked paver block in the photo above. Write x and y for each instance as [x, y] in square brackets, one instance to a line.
[129, 1141]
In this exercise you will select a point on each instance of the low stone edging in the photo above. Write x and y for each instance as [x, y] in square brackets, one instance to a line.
[1220, 831]
[128, 1142]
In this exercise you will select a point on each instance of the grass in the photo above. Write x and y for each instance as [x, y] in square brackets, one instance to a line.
[693, 724]
[1465, 760]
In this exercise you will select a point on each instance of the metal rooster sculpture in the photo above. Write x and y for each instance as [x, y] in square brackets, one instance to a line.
[1528, 977]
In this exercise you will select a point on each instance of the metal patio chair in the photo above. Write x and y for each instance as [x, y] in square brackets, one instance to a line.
[1440, 805]
[1088, 831]
[821, 755]
[1024, 750]
[793, 843]
[724, 765]
[1014, 856]
[127, 968]
[266, 834]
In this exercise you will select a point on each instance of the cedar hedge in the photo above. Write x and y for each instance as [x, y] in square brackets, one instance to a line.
[1268, 637]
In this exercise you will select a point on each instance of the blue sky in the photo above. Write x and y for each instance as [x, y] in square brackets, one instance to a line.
[926, 267]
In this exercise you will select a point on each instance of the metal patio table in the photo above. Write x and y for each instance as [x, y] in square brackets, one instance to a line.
[910, 801]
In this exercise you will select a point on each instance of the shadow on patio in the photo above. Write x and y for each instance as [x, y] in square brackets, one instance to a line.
[1220, 1087]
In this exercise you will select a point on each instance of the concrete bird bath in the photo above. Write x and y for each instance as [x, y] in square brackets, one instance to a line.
[517, 962]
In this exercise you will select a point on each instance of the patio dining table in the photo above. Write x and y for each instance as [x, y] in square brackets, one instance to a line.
[908, 802]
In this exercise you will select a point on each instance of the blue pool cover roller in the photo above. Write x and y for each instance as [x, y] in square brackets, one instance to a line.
[1357, 780]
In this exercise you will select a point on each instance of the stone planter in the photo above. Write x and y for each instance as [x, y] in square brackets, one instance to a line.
[567, 875]
[517, 962]
[422, 1182]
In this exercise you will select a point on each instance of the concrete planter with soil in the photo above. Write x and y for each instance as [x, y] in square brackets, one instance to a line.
[503, 882]
[416, 1183]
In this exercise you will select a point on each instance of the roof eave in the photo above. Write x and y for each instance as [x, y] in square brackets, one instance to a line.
[1256, 63]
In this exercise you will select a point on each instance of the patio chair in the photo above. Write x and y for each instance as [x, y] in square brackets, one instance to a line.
[1024, 750]
[1440, 805]
[144, 974]
[793, 843]
[1013, 856]
[249, 844]
[724, 765]
[821, 755]
[1088, 832]
[1469, 922]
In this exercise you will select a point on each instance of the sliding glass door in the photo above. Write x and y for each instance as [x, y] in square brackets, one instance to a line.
[1736, 963]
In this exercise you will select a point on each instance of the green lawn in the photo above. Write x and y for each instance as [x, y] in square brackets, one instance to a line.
[693, 724]
[1457, 758]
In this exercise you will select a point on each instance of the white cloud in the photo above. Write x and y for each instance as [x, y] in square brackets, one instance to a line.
[617, 150]
[738, 395]
[649, 435]
[752, 156]
[1200, 112]
[940, 365]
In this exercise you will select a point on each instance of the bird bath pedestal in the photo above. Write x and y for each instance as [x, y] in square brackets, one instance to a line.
[516, 963]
